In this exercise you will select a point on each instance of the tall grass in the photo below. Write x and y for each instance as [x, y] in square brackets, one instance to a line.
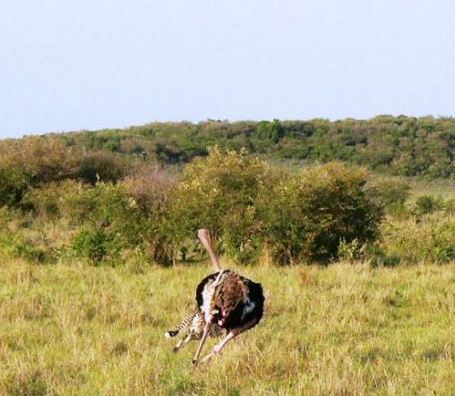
[341, 330]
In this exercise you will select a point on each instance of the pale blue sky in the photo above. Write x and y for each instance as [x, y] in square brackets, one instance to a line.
[71, 65]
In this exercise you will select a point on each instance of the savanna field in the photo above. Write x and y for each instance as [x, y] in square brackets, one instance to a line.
[356, 256]
[346, 329]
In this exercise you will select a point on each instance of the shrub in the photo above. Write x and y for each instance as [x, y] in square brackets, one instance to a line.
[29, 252]
[296, 217]
[432, 239]
[150, 187]
[392, 194]
[392, 191]
[428, 204]
[101, 166]
[22, 235]
[351, 251]
[108, 206]
[77, 201]
[218, 192]
[43, 201]
[107, 219]
[14, 183]
[308, 215]
[96, 245]
[115, 220]
[69, 199]
[268, 133]
[42, 158]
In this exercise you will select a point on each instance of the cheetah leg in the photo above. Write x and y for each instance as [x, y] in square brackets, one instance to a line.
[183, 342]
[201, 344]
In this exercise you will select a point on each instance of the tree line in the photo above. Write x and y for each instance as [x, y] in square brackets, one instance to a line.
[404, 146]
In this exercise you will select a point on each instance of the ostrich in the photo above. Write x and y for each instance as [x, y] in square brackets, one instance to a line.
[226, 300]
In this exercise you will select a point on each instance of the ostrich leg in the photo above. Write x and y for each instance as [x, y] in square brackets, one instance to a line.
[201, 344]
[231, 335]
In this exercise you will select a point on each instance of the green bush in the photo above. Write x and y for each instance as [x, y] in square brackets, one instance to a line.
[67, 199]
[42, 158]
[29, 252]
[249, 207]
[44, 201]
[76, 201]
[426, 204]
[97, 245]
[432, 239]
[218, 192]
[14, 183]
[122, 223]
[307, 216]
[268, 133]
[101, 166]
[149, 190]
[25, 236]
[392, 194]
[392, 191]
[351, 251]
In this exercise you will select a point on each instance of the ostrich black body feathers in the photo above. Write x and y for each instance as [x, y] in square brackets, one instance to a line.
[231, 312]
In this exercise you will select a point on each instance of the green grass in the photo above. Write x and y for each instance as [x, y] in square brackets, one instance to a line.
[341, 330]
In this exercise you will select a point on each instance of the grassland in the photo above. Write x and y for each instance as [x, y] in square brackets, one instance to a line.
[83, 309]
[345, 329]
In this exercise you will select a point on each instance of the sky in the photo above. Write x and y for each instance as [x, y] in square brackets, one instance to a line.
[70, 65]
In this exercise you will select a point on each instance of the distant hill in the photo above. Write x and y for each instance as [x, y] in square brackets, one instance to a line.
[400, 145]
